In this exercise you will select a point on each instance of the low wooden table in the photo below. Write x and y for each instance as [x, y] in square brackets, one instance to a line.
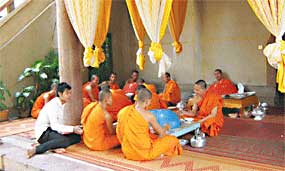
[241, 103]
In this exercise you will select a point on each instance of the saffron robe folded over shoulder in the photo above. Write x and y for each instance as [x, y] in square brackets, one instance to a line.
[171, 92]
[96, 135]
[114, 86]
[223, 87]
[39, 104]
[120, 101]
[136, 140]
[86, 98]
[211, 126]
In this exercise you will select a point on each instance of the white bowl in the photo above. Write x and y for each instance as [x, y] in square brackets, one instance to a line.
[183, 142]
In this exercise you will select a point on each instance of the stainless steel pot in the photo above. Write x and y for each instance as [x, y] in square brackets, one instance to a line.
[198, 140]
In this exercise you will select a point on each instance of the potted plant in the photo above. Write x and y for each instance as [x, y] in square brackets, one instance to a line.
[43, 73]
[4, 92]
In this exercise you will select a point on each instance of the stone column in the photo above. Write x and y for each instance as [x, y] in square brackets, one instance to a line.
[70, 54]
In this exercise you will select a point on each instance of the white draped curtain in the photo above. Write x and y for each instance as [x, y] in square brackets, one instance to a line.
[154, 15]
[84, 15]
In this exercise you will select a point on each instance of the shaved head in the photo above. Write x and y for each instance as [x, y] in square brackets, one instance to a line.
[201, 83]
[144, 95]
[104, 94]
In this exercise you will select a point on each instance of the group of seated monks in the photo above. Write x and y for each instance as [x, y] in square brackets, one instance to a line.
[106, 103]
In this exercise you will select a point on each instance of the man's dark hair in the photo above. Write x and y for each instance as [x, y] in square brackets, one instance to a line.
[283, 37]
[113, 73]
[219, 70]
[136, 71]
[61, 87]
[141, 80]
[167, 74]
[201, 83]
[105, 86]
[140, 87]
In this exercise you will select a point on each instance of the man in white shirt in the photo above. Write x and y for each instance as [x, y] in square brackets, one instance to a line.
[50, 132]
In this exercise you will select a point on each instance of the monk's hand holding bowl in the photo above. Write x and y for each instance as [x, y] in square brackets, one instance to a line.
[77, 130]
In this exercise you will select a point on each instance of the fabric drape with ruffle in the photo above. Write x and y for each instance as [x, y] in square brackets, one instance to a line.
[139, 31]
[154, 15]
[176, 22]
[83, 16]
[269, 13]
[101, 31]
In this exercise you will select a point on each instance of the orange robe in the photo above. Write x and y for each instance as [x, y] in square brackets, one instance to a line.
[171, 92]
[130, 87]
[86, 98]
[39, 104]
[151, 87]
[120, 101]
[223, 87]
[213, 125]
[114, 86]
[96, 135]
[136, 140]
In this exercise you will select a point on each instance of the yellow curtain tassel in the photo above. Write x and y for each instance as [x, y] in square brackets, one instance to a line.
[99, 57]
[141, 44]
[141, 61]
[88, 53]
[157, 50]
[178, 46]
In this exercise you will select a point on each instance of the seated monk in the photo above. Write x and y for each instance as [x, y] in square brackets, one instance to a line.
[120, 101]
[98, 131]
[134, 134]
[156, 102]
[42, 100]
[171, 93]
[90, 91]
[207, 109]
[222, 86]
[112, 82]
[131, 84]
[150, 87]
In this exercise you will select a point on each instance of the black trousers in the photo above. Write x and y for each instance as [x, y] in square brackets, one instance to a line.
[51, 139]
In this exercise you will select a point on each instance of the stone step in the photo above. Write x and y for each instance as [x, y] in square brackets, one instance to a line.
[13, 158]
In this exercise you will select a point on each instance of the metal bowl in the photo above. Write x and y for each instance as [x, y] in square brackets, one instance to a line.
[198, 142]
[183, 142]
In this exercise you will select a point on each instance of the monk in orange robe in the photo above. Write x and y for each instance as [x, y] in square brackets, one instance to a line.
[90, 91]
[222, 86]
[112, 81]
[156, 102]
[150, 87]
[171, 93]
[134, 134]
[207, 109]
[120, 100]
[42, 100]
[98, 130]
[131, 84]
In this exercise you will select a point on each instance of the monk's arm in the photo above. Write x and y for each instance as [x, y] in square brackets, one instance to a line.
[161, 131]
[212, 115]
[89, 91]
[109, 123]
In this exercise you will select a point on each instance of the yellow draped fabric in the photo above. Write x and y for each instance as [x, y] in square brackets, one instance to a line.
[269, 13]
[176, 22]
[139, 30]
[101, 31]
[154, 15]
[83, 16]
[280, 78]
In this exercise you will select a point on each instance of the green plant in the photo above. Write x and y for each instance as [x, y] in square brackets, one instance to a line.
[43, 73]
[3, 92]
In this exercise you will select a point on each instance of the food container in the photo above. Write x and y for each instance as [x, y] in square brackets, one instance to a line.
[183, 142]
[198, 140]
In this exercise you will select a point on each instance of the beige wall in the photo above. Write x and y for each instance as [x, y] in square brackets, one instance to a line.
[32, 44]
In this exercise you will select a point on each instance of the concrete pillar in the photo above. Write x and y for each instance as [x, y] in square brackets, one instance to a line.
[70, 56]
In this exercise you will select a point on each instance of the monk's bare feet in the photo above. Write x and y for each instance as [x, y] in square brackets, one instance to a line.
[31, 152]
[59, 150]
